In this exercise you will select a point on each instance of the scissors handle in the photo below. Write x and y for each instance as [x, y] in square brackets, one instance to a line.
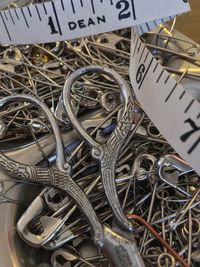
[57, 179]
[60, 159]
[108, 152]
[126, 93]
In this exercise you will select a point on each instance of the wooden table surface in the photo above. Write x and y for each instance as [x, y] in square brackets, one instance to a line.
[189, 23]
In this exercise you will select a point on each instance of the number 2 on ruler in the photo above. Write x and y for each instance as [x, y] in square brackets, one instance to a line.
[125, 6]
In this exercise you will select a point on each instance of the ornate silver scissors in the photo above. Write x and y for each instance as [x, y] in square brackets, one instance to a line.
[107, 153]
[57, 177]
[120, 249]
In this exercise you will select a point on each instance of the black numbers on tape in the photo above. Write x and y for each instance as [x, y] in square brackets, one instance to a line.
[124, 13]
[140, 73]
[190, 133]
[52, 26]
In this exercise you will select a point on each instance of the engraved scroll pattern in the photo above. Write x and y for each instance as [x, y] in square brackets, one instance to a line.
[53, 177]
[110, 153]
[66, 184]
[113, 145]
[15, 169]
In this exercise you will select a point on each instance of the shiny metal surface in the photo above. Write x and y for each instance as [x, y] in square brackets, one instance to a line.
[13, 251]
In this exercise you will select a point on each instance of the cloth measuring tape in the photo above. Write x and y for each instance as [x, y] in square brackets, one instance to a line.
[171, 108]
[158, 93]
[68, 19]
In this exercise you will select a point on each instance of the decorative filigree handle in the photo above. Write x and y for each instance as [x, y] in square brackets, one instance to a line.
[49, 176]
[60, 160]
[107, 153]
[55, 178]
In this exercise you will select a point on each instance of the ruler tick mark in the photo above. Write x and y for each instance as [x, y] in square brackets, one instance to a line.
[167, 79]
[189, 106]
[5, 15]
[148, 28]
[45, 10]
[182, 95]
[172, 91]
[6, 28]
[139, 48]
[62, 4]
[146, 73]
[133, 9]
[24, 17]
[142, 53]
[11, 17]
[141, 29]
[29, 11]
[146, 56]
[155, 67]
[56, 16]
[16, 13]
[93, 9]
[198, 117]
[135, 48]
[36, 7]
[134, 37]
[160, 76]
[81, 2]
[72, 4]
[111, 2]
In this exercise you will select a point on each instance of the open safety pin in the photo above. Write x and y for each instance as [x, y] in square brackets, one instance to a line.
[172, 178]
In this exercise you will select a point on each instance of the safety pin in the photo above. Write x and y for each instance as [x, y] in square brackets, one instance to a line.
[50, 225]
[172, 38]
[171, 179]
[189, 58]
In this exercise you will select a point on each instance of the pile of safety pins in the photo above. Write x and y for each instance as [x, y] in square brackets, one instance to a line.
[116, 193]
